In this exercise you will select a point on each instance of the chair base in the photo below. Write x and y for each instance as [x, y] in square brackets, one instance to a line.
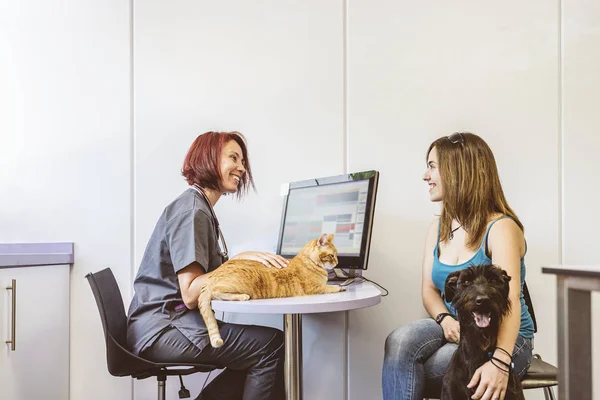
[162, 389]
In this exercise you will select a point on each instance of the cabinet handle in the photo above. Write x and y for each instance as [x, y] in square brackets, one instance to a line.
[13, 330]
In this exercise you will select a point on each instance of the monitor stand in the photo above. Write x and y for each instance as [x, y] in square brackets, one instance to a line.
[342, 276]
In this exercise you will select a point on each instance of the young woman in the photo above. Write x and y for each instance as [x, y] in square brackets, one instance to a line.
[164, 324]
[476, 226]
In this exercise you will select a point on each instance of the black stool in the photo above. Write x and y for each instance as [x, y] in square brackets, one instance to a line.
[540, 374]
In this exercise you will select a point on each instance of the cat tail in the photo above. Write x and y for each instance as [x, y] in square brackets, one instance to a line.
[209, 316]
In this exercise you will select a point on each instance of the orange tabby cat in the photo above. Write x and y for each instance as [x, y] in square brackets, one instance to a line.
[306, 274]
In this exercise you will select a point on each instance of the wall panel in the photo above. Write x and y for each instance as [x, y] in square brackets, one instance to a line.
[65, 120]
[581, 139]
[420, 71]
[272, 70]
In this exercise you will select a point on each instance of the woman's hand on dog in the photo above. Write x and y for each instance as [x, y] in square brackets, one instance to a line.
[451, 329]
[492, 382]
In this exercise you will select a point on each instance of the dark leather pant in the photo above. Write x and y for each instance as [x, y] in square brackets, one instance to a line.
[253, 358]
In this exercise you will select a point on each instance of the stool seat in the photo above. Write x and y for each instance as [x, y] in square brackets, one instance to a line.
[540, 374]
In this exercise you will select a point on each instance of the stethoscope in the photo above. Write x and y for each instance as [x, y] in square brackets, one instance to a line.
[222, 245]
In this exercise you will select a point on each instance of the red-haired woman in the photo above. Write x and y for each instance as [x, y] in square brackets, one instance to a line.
[182, 252]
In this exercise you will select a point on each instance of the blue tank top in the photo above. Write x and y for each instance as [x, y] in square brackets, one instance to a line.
[440, 272]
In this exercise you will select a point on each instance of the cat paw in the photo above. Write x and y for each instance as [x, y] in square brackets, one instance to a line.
[244, 297]
[342, 289]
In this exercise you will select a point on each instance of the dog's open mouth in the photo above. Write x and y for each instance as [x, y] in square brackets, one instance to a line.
[482, 319]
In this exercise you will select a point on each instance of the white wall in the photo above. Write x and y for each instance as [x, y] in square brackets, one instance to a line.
[421, 70]
[581, 141]
[65, 153]
[270, 70]
[315, 86]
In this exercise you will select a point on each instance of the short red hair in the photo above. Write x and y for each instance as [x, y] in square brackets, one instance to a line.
[203, 160]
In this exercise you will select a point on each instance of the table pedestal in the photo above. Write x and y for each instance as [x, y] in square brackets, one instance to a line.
[358, 295]
[292, 329]
[575, 336]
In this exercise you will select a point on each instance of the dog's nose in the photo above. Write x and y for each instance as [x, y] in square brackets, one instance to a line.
[481, 299]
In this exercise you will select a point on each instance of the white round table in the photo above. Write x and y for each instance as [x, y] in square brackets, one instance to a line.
[357, 295]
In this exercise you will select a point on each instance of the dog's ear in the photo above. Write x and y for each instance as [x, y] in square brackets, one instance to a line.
[450, 286]
[505, 276]
[505, 280]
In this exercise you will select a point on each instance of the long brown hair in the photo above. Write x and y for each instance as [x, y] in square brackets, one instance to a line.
[471, 186]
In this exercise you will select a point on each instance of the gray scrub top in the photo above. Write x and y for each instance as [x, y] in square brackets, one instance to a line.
[186, 232]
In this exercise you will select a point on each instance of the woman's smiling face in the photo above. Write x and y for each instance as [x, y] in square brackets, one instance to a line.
[432, 177]
[232, 167]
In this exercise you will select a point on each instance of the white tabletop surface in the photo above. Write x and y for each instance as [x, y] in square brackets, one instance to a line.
[357, 295]
[592, 271]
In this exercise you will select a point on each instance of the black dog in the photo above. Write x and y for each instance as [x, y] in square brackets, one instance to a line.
[480, 296]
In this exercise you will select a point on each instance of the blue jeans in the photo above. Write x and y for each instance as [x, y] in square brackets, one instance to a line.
[417, 357]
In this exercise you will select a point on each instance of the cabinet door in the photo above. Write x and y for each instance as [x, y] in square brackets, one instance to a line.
[38, 368]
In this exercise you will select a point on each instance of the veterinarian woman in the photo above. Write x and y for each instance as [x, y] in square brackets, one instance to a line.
[476, 226]
[164, 324]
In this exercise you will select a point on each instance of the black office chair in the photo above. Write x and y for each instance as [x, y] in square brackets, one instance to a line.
[540, 374]
[120, 361]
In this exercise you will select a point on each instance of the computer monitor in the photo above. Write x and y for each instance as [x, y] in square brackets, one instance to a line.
[343, 205]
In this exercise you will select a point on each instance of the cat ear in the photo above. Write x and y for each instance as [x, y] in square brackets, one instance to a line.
[330, 237]
[323, 240]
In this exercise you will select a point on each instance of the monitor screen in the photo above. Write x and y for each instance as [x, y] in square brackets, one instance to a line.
[342, 205]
